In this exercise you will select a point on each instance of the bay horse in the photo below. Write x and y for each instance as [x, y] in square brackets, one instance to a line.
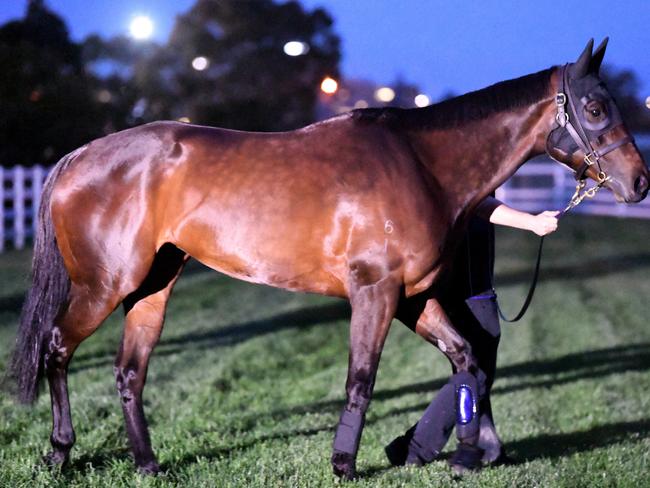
[367, 206]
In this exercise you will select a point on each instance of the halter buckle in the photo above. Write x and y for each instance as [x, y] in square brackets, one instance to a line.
[560, 99]
[588, 159]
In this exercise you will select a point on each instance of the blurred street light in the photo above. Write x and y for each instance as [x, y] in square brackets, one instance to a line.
[104, 96]
[329, 85]
[141, 27]
[647, 102]
[384, 94]
[185, 120]
[421, 100]
[200, 63]
[296, 48]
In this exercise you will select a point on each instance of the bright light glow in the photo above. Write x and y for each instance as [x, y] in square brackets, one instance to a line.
[647, 102]
[361, 104]
[296, 48]
[104, 96]
[421, 100]
[384, 94]
[185, 120]
[200, 63]
[329, 86]
[141, 27]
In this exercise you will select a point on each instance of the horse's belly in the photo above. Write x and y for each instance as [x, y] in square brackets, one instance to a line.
[264, 250]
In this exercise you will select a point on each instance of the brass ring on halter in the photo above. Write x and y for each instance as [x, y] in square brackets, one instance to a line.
[602, 177]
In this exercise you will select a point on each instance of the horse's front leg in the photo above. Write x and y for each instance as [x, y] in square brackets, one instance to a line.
[373, 308]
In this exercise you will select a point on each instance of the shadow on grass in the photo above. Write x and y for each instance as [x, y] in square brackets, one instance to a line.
[229, 335]
[545, 446]
[568, 443]
[592, 268]
[545, 373]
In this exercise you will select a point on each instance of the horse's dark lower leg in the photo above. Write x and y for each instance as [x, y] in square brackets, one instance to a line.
[373, 308]
[84, 314]
[145, 310]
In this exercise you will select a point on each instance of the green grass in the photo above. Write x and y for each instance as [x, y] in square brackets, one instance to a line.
[248, 381]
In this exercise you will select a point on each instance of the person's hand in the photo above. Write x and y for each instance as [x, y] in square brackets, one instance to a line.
[544, 223]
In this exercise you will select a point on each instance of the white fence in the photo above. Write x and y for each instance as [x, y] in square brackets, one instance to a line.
[538, 185]
[20, 195]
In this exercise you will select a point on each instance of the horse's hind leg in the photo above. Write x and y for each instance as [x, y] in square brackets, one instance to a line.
[469, 382]
[145, 310]
[86, 312]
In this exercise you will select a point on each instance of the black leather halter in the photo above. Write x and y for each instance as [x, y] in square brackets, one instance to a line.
[565, 102]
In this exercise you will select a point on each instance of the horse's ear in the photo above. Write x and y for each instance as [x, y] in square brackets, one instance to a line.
[597, 56]
[581, 66]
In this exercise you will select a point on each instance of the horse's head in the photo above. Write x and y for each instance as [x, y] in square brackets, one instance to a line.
[590, 136]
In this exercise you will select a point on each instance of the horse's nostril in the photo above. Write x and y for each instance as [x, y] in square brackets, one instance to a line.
[641, 185]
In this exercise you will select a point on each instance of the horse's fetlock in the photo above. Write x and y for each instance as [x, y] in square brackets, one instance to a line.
[62, 440]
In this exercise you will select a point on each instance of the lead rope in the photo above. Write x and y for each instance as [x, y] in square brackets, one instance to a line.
[576, 199]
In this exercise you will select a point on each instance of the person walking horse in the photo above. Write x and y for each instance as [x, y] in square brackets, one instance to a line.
[470, 301]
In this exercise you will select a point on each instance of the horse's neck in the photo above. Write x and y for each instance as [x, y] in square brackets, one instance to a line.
[468, 163]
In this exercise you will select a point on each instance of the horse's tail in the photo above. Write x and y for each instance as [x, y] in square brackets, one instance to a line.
[45, 299]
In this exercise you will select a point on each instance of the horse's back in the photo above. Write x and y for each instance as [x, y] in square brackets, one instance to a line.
[287, 209]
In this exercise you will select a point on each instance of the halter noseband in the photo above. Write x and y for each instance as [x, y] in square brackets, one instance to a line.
[564, 100]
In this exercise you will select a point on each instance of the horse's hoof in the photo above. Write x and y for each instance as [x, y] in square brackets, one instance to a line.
[344, 465]
[501, 460]
[465, 458]
[149, 469]
[56, 459]
[397, 451]
[492, 453]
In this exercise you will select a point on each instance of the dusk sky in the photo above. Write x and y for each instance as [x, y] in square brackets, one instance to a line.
[438, 45]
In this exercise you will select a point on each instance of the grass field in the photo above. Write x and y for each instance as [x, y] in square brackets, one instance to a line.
[247, 382]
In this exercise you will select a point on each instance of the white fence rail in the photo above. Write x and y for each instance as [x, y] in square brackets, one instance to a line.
[538, 185]
[20, 195]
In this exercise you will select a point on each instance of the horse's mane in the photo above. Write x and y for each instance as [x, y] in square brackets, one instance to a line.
[457, 111]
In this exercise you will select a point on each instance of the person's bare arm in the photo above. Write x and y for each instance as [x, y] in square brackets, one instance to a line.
[501, 214]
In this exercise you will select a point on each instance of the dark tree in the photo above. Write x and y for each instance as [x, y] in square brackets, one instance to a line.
[48, 107]
[250, 83]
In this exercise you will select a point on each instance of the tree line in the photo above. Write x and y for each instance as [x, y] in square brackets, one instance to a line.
[223, 65]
